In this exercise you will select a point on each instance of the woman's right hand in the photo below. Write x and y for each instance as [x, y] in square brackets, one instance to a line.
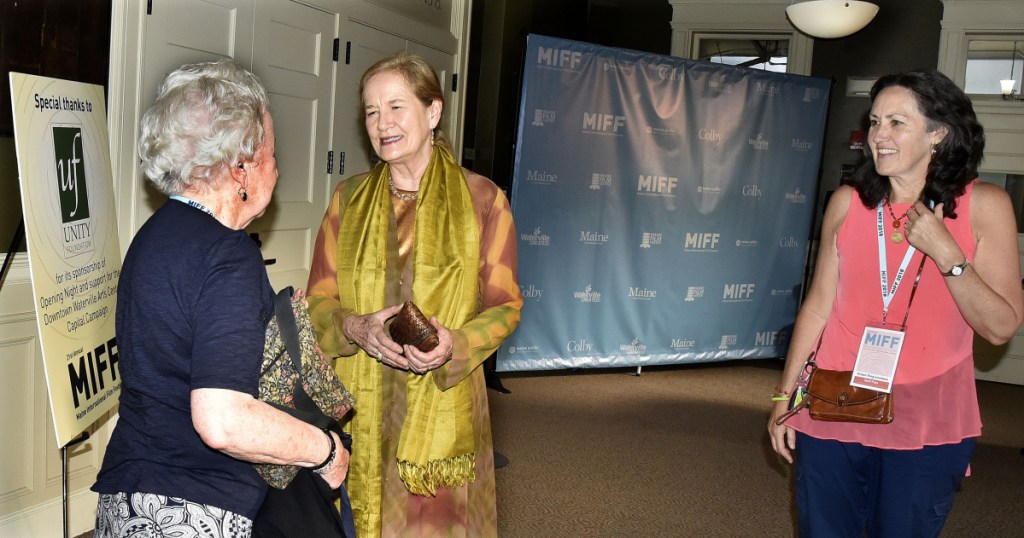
[368, 332]
[783, 437]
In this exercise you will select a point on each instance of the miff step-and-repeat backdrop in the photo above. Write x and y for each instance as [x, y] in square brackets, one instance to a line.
[663, 207]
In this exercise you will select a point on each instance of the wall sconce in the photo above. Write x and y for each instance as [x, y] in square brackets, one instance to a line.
[1007, 85]
[829, 19]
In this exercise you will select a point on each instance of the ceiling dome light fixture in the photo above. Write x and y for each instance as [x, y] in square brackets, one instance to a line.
[829, 19]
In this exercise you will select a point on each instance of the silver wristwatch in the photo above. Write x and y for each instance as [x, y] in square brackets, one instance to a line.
[957, 269]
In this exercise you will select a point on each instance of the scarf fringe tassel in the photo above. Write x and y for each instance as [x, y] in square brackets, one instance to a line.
[450, 472]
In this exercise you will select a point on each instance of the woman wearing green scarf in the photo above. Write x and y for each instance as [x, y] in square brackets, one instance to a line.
[417, 227]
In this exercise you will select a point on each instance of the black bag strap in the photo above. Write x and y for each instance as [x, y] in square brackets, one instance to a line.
[287, 325]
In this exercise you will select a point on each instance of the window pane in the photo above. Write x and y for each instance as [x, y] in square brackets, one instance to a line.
[766, 54]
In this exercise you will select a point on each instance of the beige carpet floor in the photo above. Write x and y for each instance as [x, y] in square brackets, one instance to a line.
[683, 451]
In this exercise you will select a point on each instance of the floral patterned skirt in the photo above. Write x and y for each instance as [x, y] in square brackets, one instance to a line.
[144, 515]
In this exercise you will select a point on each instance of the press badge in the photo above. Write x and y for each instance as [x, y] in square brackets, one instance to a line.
[877, 358]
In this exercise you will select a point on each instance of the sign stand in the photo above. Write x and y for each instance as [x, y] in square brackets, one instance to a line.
[64, 478]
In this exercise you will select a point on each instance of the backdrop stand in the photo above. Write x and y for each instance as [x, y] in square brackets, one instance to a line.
[64, 476]
[19, 234]
[638, 368]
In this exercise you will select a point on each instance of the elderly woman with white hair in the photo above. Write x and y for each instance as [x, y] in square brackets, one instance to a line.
[193, 301]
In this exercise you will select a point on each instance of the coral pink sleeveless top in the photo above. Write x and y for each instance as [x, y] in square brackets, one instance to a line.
[934, 397]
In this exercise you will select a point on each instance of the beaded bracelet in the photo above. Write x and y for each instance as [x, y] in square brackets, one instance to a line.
[330, 457]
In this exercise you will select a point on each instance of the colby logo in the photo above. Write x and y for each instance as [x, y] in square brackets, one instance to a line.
[650, 238]
[657, 185]
[635, 347]
[693, 293]
[602, 123]
[559, 58]
[667, 72]
[796, 197]
[593, 238]
[588, 295]
[600, 180]
[738, 293]
[532, 292]
[701, 242]
[536, 239]
[69, 160]
[710, 135]
[752, 191]
[788, 242]
[542, 117]
[760, 143]
[727, 340]
[579, 346]
[539, 176]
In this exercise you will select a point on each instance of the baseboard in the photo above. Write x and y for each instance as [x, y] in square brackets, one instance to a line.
[47, 519]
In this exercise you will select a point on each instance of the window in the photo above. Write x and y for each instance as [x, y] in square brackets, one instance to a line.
[766, 52]
[990, 60]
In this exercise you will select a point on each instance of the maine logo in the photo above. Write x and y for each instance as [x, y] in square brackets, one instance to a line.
[682, 343]
[693, 293]
[542, 117]
[593, 238]
[541, 177]
[558, 59]
[69, 161]
[532, 292]
[524, 349]
[811, 94]
[800, 144]
[657, 185]
[782, 292]
[744, 243]
[727, 340]
[611, 64]
[709, 189]
[642, 294]
[634, 347]
[588, 295]
[662, 130]
[765, 88]
[760, 143]
[599, 123]
[796, 197]
[650, 239]
[600, 180]
[536, 239]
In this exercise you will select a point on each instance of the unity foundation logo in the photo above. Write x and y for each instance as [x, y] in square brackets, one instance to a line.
[69, 161]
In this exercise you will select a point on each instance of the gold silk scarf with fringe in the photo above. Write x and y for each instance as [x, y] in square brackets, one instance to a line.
[436, 447]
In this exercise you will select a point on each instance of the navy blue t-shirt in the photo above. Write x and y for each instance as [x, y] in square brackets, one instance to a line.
[192, 306]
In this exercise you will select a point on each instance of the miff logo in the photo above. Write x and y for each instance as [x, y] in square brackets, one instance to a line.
[69, 161]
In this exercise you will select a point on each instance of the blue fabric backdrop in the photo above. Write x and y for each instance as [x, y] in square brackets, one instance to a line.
[663, 207]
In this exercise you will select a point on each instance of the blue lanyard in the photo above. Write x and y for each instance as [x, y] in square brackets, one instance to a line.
[883, 267]
[194, 204]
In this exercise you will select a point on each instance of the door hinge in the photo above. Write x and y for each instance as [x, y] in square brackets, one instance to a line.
[330, 162]
[337, 45]
[348, 52]
[455, 82]
[149, 7]
[341, 163]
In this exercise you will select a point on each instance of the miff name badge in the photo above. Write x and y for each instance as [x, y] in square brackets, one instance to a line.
[877, 359]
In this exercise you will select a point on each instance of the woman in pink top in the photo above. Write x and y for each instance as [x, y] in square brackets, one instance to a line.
[916, 200]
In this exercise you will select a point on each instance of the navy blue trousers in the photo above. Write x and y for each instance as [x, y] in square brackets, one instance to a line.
[850, 490]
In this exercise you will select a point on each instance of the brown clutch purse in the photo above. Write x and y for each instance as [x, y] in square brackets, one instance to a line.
[411, 327]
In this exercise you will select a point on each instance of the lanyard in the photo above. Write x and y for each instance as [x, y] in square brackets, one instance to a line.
[194, 204]
[883, 267]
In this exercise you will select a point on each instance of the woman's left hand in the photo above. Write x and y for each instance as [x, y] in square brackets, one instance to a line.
[928, 233]
[422, 362]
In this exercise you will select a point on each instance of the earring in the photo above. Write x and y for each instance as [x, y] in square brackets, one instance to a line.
[243, 194]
